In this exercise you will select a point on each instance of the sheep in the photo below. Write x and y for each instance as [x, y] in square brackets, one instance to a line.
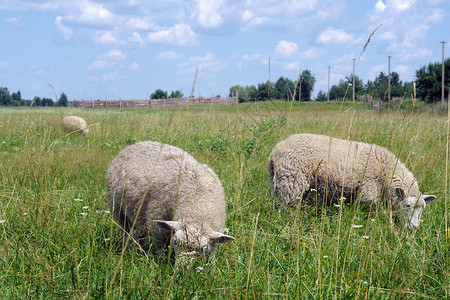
[74, 123]
[160, 191]
[305, 162]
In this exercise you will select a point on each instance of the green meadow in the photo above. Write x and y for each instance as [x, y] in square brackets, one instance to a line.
[58, 239]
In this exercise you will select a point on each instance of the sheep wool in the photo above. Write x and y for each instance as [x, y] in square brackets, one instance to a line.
[74, 123]
[162, 192]
[305, 162]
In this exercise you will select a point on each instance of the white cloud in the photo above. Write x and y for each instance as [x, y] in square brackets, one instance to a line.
[105, 37]
[379, 68]
[400, 5]
[15, 21]
[380, 7]
[141, 24]
[204, 63]
[388, 35]
[286, 48]
[168, 55]
[334, 36]
[100, 65]
[134, 66]
[136, 37]
[113, 54]
[402, 69]
[93, 14]
[437, 16]
[256, 56]
[63, 30]
[4, 65]
[179, 35]
[207, 13]
[293, 66]
[310, 53]
[247, 16]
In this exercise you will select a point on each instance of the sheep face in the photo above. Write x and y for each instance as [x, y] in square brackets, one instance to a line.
[413, 207]
[189, 242]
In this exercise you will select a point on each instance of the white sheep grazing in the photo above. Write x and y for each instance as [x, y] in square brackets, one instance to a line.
[169, 196]
[310, 161]
[74, 123]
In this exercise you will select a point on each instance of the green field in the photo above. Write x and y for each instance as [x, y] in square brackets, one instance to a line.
[55, 246]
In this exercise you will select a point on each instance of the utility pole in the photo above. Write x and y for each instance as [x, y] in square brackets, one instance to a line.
[389, 82]
[328, 94]
[442, 92]
[353, 81]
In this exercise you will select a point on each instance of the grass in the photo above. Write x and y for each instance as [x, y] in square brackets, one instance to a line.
[54, 246]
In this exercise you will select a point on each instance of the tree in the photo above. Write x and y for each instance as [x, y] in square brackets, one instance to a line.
[305, 86]
[429, 80]
[337, 92]
[159, 94]
[5, 97]
[37, 101]
[240, 91]
[284, 88]
[62, 101]
[47, 102]
[252, 92]
[176, 94]
[321, 96]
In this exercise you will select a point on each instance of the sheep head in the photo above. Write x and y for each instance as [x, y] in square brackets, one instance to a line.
[413, 207]
[189, 241]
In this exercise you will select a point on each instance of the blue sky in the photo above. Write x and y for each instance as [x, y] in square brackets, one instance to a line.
[127, 49]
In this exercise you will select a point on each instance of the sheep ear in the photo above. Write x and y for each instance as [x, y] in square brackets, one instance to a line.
[429, 198]
[167, 225]
[400, 193]
[220, 238]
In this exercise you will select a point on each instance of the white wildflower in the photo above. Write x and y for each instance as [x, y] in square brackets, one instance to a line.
[85, 207]
[83, 214]
[199, 269]
[337, 205]
[25, 214]
[78, 199]
[342, 199]
[372, 220]
[365, 236]
[107, 239]
[325, 256]
[313, 190]
[2, 221]
[106, 211]
[356, 226]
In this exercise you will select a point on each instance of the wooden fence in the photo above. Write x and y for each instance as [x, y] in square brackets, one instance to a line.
[154, 102]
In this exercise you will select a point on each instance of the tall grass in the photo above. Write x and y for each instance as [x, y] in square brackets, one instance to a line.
[58, 240]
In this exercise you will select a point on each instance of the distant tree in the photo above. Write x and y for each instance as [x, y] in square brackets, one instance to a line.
[252, 92]
[265, 91]
[240, 91]
[62, 101]
[5, 97]
[305, 86]
[359, 85]
[37, 101]
[321, 96]
[284, 88]
[337, 92]
[159, 94]
[176, 94]
[429, 80]
[47, 102]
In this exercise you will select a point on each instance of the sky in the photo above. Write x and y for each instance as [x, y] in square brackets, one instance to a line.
[119, 50]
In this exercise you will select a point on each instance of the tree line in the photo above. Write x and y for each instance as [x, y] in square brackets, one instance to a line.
[428, 89]
[15, 99]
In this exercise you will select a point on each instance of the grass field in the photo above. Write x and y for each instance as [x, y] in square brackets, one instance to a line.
[58, 239]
